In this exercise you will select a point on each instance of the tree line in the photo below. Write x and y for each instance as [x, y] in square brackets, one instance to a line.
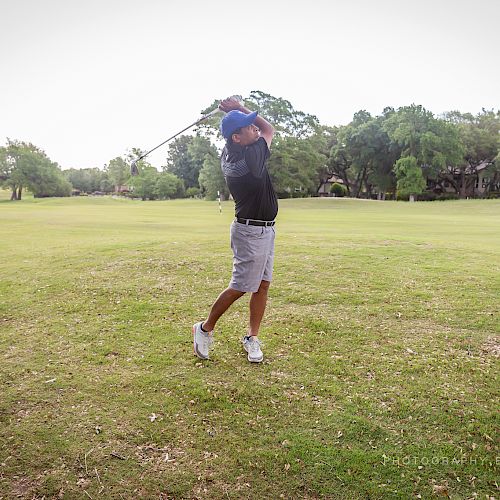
[400, 153]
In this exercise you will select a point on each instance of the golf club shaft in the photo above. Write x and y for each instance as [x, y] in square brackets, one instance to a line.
[204, 117]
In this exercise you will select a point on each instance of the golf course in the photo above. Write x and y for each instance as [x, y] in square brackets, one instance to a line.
[381, 344]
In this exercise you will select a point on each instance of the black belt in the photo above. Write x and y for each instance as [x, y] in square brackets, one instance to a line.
[253, 222]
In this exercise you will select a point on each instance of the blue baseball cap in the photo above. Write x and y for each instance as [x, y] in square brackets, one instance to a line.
[234, 120]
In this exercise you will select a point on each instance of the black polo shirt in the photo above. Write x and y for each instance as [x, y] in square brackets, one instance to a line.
[245, 171]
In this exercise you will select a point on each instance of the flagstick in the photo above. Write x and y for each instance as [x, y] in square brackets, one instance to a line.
[218, 198]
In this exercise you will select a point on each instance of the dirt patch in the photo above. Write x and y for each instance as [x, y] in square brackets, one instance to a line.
[492, 347]
[21, 487]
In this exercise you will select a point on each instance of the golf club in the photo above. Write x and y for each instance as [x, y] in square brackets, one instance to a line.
[134, 170]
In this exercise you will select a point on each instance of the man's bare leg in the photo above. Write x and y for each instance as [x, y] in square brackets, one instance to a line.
[221, 305]
[257, 307]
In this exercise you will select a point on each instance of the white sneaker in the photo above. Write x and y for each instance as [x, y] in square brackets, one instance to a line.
[201, 341]
[251, 344]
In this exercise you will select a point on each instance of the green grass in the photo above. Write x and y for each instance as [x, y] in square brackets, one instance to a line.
[381, 344]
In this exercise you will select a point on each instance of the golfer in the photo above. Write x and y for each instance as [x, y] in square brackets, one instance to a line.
[248, 138]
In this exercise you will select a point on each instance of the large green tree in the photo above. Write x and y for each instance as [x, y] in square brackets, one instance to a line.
[186, 156]
[280, 112]
[212, 180]
[50, 182]
[89, 180]
[434, 143]
[494, 173]
[363, 156]
[323, 140]
[294, 165]
[287, 121]
[118, 172]
[479, 135]
[144, 184]
[151, 184]
[19, 163]
[24, 165]
[410, 180]
[168, 186]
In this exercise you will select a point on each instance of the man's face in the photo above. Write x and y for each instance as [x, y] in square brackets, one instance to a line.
[246, 135]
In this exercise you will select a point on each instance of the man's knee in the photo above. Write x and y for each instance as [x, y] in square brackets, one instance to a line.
[234, 293]
[264, 286]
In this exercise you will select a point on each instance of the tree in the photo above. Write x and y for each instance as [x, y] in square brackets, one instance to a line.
[105, 184]
[363, 156]
[5, 166]
[442, 150]
[118, 172]
[406, 127]
[144, 184]
[410, 178]
[294, 165]
[340, 160]
[386, 152]
[286, 120]
[168, 186]
[79, 179]
[280, 112]
[212, 180]
[434, 143]
[323, 140]
[25, 165]
[89, 180]
[480, 138]
[494, 173]
[50, 182]
[186, 157]
[179, 161]
[199, 150]
[19, 164]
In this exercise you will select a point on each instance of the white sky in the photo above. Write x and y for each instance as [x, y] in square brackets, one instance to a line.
[86, 80]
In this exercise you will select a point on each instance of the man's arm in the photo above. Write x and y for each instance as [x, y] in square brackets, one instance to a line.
[266, 129]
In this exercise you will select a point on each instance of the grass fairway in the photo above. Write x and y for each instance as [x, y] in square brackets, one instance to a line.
[381, 345]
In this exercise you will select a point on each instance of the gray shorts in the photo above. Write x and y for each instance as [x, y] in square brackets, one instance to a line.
[253, 256]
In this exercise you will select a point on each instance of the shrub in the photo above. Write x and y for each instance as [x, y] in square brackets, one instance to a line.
[338, 190]
[193, 192]
[283, 194]
[448, 196]
[427, 196]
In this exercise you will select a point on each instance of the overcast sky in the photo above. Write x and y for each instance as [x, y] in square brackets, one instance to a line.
[86, 80]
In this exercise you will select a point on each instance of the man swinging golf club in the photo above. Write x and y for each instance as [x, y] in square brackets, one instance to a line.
[248, 138]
